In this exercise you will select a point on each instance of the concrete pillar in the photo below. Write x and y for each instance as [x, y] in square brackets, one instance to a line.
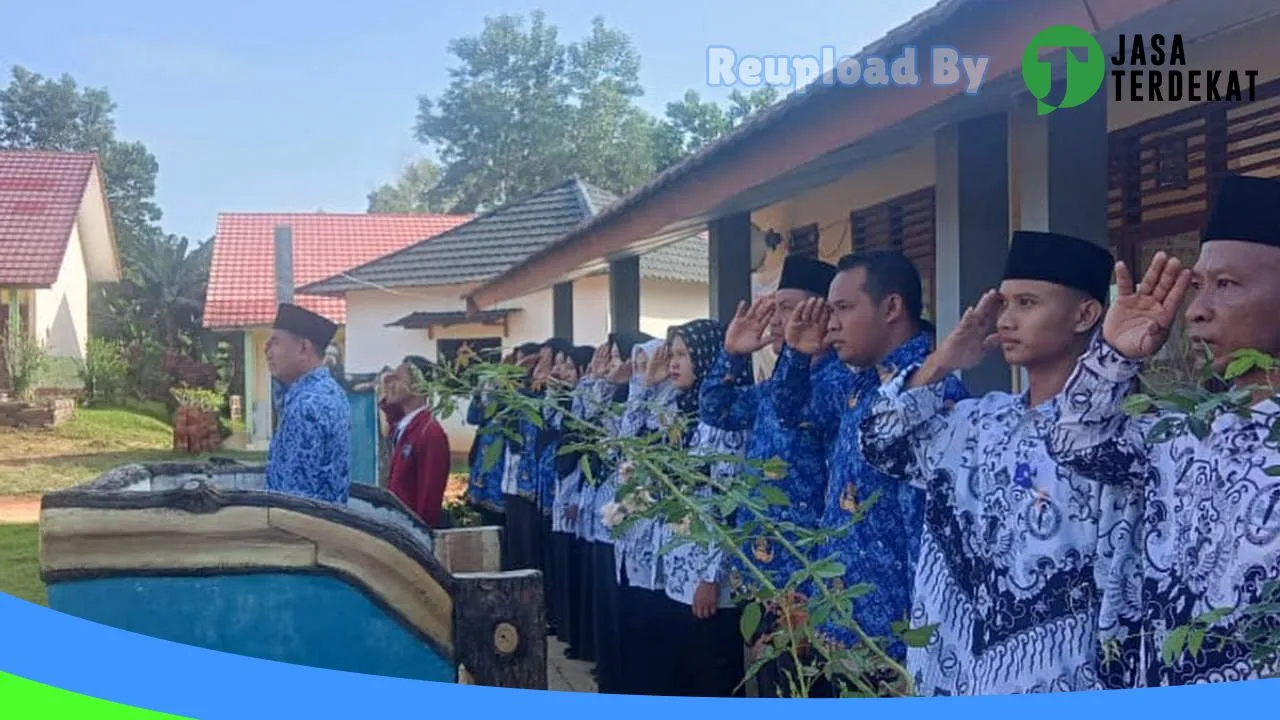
[624, 294]
[972, 205]
[1060, 168]
[1059, 171]
[562, 311]
[730, 264]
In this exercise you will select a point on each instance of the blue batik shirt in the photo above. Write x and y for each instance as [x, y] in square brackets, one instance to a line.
[589, 403]
[686, 565]
[649, 409]
[310, 451]
[527, 463]
[546, 474]
[881, 549]
[727, 405]
[484, 485]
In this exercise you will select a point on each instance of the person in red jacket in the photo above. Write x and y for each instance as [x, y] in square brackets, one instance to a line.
[419, 446]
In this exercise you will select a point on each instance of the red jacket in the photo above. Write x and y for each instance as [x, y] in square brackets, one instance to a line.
[420, 467]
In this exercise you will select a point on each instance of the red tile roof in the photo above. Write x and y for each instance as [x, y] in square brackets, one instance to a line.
[40, 196]
[242, 278]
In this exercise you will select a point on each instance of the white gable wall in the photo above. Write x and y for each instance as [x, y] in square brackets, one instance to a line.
[61, 312]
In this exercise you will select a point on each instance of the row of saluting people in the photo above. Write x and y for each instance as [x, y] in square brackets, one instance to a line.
[1052, 541]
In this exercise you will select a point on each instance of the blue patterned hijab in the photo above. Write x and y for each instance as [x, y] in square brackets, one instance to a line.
[705, 340]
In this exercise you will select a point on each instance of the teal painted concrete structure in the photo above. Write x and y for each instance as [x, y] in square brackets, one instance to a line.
[304, 619]
[364, 437]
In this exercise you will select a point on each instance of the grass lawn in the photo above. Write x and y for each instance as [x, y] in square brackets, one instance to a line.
[33, 462]
[19, 567]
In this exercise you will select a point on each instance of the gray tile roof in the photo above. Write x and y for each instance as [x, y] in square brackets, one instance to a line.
[500, 239]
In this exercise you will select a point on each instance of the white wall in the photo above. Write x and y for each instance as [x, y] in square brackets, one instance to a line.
[591, 309]
[664, 303]
[61, 312]
[370, 345]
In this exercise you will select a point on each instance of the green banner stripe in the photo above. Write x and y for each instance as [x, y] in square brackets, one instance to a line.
[22, 699]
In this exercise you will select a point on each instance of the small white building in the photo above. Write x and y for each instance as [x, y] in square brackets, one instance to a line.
[411, 301]
[241, 296]
[56, 241]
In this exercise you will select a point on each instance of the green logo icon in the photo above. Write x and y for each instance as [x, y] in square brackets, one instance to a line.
[1084, 77]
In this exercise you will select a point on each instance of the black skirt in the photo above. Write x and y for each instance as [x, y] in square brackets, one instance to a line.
[565, 588]
[585, 642]
[608, 650]
[546, 563]
[522, 546]
[704, 658]
[641, 636]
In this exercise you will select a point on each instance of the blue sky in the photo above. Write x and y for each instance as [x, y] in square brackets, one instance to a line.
[308, 106]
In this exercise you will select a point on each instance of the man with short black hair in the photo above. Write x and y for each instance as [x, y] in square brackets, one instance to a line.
[309, 453]
[420, 448]
[872, 319]
[1015, 547]
[727, 404]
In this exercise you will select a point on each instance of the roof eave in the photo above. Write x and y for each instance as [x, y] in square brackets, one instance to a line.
[1096, 14]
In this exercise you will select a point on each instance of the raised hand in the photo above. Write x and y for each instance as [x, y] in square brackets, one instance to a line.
[621, 373]
[541, 372]
[746, 332]
[599, 361]
[1138, 323]
[807, 329]
[657, 372]
[967, 343]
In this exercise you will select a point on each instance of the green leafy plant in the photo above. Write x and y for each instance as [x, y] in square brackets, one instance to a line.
[201, 398]
[1191, 409]
[103, 372]
[665, 482]
[27, 359]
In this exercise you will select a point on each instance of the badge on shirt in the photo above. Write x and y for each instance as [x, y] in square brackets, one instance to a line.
[849, 498]
[762, 551]
[408, 449]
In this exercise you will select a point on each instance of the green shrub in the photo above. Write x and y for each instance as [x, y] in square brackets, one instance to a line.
[103, 372]
[27, 360]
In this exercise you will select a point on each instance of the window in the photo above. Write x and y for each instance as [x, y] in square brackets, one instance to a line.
[804, 241]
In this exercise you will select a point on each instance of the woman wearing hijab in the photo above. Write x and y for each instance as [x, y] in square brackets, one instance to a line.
[602, 580]
[507, 423]
[487, 459]
[649, 409]
[562, 379]
[701, 654]
[524, 519]
[567, 490]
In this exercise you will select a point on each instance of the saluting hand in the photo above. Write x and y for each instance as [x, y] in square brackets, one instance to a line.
[599, 359]
[807, 329]
[1138, 323]
[746, 332]
[621, 374]
[966, 344]
[657, 372]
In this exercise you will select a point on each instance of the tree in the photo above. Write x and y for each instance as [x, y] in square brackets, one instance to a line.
[524, 111]
[42, 113]
[37, 112]
[692, 123]
[413, 192]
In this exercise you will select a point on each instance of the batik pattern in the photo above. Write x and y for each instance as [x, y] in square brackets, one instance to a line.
[310, 451]
[1210, 532]
[1016, 548]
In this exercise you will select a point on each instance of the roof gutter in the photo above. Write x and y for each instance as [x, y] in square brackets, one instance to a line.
[833, 117]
